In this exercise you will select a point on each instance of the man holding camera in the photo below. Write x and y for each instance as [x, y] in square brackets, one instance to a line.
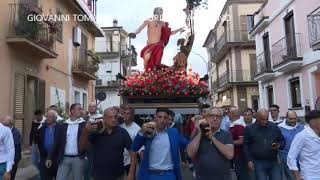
[162, 149]
[262, 142]
[108, 143]
[213, 147]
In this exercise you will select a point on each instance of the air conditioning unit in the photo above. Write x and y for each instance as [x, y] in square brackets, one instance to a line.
[77, 36]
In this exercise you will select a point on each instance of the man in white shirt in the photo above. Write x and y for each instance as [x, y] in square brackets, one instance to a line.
[70, 159]
[248, 117]
[133, 129]
[93, 111]
[274, 111]
[306, 146]
[6, 152]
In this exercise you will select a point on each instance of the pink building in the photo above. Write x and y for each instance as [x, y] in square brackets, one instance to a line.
[287, 34]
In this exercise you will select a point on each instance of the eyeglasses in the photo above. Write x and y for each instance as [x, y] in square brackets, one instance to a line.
[214, 116]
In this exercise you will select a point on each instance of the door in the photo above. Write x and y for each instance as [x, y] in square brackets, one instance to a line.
[244, 28]
[290, 35]
[255, 103]
[266, 48]
[253, 66]
[83, 52]
[270, 95]
[242, 98]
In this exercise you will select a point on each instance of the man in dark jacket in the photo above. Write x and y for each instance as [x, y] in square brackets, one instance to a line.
[8, 121]
[262, 142]
[48, 136]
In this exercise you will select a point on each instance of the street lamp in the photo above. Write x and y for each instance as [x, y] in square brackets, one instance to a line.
[195, 53]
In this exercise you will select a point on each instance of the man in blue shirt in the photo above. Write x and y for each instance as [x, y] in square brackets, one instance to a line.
[289, 128]
[162, 147]
[48, 146]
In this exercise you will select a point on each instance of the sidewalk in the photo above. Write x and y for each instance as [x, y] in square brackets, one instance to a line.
[26, 171]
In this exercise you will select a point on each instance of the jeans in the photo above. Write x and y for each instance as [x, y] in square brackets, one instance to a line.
[3, 169]
[267, 170]
[241, 167]
[74, 165]
[286, 171]
[14, 170]
[35, 156]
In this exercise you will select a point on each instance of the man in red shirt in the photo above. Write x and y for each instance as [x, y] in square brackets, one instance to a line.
[237, 131]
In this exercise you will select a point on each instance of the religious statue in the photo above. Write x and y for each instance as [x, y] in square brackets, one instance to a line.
[158, 37]
[181, 59]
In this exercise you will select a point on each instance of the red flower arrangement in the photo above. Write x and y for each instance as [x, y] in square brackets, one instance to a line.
[165, 81]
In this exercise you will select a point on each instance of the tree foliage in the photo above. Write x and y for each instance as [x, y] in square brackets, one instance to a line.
[194, 4]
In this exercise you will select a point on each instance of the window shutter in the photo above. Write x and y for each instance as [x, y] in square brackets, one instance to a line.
[19, 100]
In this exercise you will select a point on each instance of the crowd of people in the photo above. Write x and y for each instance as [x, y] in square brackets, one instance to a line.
[118, 144]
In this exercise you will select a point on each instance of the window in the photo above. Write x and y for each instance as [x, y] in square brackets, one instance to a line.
[250, 22]
[85, 101]
[60, 26]
[76, 97]
[295, 92]
[270, 95]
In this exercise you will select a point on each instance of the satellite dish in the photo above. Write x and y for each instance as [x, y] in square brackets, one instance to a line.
[101, 96]
[317, 105]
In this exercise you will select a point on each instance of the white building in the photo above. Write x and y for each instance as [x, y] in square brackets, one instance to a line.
[115, 52]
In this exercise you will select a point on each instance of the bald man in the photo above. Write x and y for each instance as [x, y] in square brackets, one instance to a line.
[93, 113]
[108, 147]
[290, 127]
[49, 151]
[262, 142]
[8, 121]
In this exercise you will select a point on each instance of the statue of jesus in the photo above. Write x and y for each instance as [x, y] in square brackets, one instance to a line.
[158, 37]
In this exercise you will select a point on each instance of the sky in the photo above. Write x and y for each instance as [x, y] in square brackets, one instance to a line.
[131, 14]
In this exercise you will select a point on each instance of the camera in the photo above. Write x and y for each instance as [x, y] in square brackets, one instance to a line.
[204, 128]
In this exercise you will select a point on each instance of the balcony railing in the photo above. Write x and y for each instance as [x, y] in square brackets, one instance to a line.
[85, 63]
[215, 85]
[235, 36]
[113, 48]
[314, 28]
[107, 81]
[40, 33]
[286, 49]
[235, 76]
[262, 64]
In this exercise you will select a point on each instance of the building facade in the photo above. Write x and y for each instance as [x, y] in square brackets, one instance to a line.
[232, 56]
[118, 56]
[287, 35]
[46, 62]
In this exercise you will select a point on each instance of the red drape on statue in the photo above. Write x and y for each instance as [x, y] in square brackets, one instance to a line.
[157, 49]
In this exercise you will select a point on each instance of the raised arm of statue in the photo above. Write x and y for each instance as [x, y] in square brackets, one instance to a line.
[178, 30]
[145, 23]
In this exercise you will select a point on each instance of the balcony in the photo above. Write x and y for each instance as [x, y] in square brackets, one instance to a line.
[286, 54]
[314, 29]
[237, 77]
[262, 22]
[264, 71]
[215, 85]
[227, 40]
[85, 64]
[127, 55]
[33, 38]
[88, 8]
[107, 81]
